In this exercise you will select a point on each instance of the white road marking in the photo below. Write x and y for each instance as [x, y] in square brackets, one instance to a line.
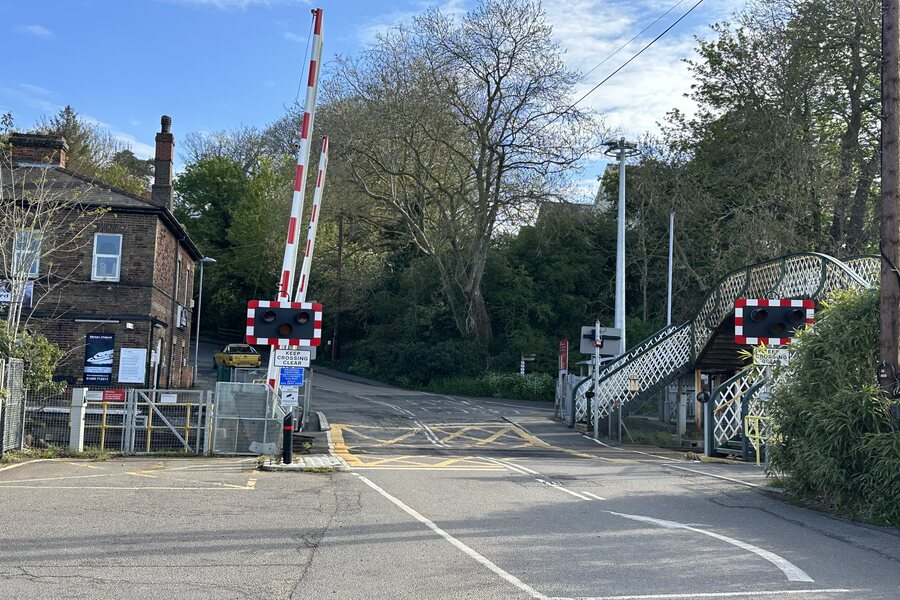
[511, 466]
[523, 467]
[431, 435]
[401, 468]
[538, 477]
[556, 486]
[689, 595]
[594, 496]
[791, 571]
[731, 479]
[669, 458]
[505, 575]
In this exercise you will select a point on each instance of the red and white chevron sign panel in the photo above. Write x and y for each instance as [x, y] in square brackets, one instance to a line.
[283, 323]
[771, 322]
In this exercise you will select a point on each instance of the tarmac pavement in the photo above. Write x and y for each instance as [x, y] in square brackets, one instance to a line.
[444, 498]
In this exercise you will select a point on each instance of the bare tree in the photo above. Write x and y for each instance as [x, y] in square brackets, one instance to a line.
[461, 127]
[41, 225]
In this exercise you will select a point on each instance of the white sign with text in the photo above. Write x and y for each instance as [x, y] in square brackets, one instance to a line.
[292, 358]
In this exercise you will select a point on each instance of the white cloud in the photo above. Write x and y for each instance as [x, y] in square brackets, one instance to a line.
[30, 95]
[35, 30]
[368, 32]
[140, 149]
[293, 37]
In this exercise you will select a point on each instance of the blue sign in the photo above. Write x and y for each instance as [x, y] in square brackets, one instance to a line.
[291, 376]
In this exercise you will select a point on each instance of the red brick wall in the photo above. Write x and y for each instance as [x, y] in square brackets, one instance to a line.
[145, 290]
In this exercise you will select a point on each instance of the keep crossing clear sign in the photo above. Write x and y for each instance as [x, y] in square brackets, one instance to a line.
[292, 358]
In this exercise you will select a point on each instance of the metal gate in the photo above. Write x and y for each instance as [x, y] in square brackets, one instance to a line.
[12, 407]
[156, 421]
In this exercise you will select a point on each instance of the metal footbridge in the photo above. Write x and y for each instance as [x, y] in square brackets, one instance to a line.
[678, 349]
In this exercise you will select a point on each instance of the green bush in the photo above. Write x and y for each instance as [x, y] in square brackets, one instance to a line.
[41, 358]
[462, 386]
[531, 386]
[837, 443]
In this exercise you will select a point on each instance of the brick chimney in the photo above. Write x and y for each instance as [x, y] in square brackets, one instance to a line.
[161, 192]
[34, 150]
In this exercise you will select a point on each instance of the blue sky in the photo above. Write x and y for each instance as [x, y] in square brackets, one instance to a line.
[218, 64]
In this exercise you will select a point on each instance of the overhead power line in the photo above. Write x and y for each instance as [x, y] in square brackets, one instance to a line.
[636, 36]
[638, 53]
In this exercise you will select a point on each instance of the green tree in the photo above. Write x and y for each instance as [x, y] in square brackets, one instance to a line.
[95, 153]
[41, 357]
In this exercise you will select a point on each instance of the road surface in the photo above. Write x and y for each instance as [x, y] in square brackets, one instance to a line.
[445, 498]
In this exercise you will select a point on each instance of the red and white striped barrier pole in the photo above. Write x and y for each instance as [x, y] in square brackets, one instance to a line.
[313, 223]
[289, 265]
[286, 285]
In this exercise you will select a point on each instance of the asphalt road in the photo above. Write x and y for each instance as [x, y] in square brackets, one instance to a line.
[445, 498]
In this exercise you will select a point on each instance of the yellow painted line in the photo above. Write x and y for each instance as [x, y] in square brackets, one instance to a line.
[139, 474]
[251, 484]
[340, 447]
[22, 464]
[400, 438]
[453, 461]
[461, 431]
[84, 465]
[4, 483]
[495, 437]
[382, 461]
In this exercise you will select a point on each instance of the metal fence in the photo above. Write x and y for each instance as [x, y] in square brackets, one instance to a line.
[248, 419]
[12, 404]
[156, 421]
[238, 418]
[47, 418]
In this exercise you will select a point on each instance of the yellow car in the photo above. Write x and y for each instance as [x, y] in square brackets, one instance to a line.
[237, 355]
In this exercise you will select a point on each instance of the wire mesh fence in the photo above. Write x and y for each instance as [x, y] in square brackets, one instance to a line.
[248, 419]
[12, 404]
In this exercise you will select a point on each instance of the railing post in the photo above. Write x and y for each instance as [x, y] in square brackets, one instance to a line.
[76, 419]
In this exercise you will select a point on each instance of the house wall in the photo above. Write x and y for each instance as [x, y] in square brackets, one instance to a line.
[144, 297]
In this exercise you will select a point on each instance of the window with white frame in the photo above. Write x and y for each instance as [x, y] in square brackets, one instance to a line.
[26, 258]
[107, 257]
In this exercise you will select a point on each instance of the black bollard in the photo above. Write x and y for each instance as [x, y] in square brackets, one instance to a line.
[288, 443]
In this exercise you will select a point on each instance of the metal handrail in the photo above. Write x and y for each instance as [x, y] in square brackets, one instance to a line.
[713, 309]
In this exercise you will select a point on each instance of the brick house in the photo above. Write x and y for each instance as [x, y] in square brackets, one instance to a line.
[125, 285]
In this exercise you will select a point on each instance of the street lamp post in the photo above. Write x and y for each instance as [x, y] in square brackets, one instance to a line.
[203, 261]
[621, 150]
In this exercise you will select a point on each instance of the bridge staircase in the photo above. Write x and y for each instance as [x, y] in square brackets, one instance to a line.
[675, 350]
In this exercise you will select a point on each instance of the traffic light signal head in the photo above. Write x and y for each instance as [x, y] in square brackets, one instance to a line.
[771, 322]
[284, 323]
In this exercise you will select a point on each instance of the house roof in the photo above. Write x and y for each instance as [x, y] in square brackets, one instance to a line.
[91, 193]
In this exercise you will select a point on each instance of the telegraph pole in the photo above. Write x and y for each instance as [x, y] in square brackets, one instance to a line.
[890, 194]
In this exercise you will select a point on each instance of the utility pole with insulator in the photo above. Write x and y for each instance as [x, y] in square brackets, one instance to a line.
[889, 347]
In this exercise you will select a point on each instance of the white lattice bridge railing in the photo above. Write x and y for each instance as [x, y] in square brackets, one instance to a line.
[867, 267]
[727, 421]
[672, 351]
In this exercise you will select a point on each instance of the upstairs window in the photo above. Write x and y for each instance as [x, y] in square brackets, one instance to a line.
[26, 259]
[107, 257]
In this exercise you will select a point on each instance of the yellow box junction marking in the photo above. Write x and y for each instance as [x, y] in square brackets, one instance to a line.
[348, 442]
